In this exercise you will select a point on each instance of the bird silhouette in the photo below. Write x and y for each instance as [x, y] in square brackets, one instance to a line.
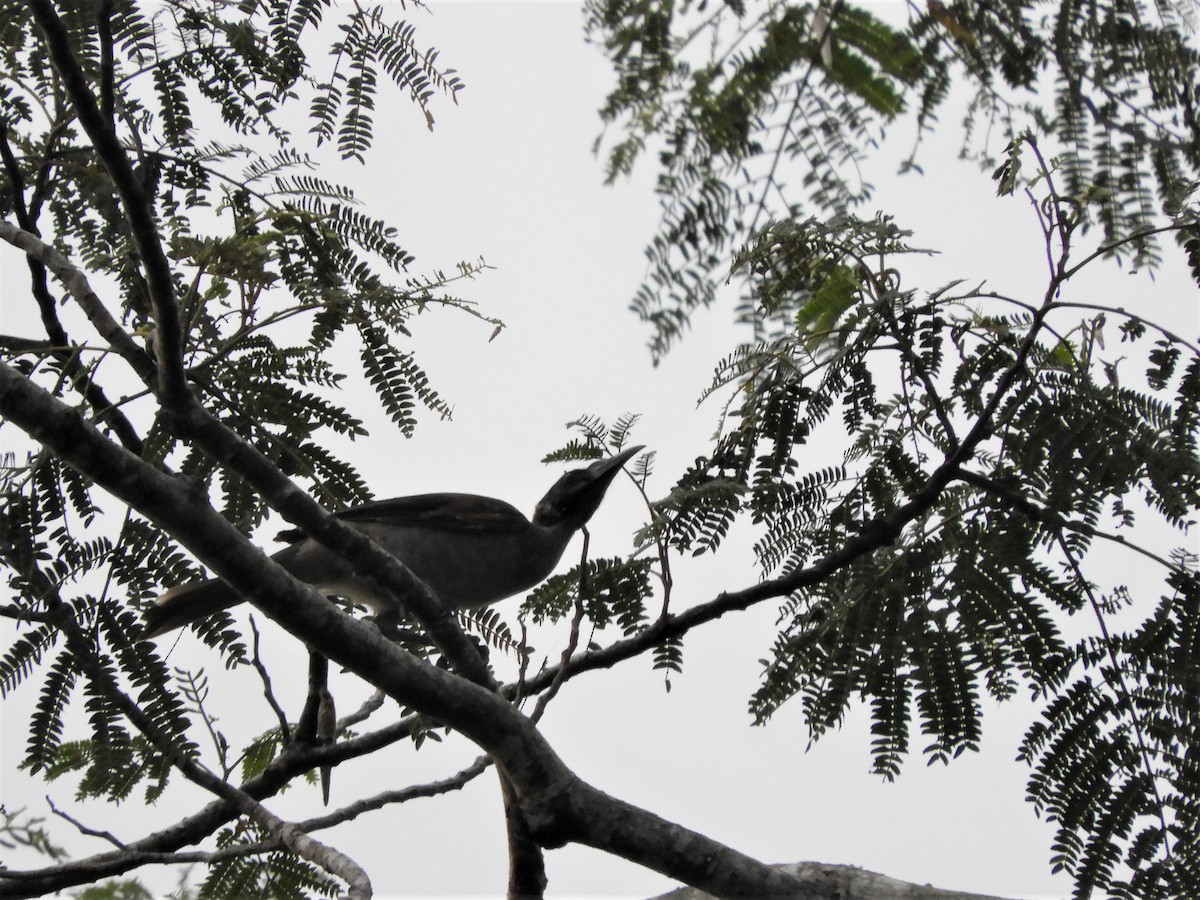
[471, 551]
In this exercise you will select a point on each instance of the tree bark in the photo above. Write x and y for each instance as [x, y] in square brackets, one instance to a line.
[849, 883]
[559, 807]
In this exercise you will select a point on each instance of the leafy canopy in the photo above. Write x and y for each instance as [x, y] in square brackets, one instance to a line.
[990, 447]
[271, 268]
[994, 449]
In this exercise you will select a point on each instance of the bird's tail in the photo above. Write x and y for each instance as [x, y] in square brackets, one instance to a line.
[186, 603]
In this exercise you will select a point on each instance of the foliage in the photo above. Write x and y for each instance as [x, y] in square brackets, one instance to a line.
[991, 449]
[273, 268]
[19, 829]
[120, 890]
[767, 110]
[611, 590]
[988, 449]
[274, 875]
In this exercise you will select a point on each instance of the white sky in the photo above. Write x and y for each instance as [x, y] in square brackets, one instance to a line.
[508, 175]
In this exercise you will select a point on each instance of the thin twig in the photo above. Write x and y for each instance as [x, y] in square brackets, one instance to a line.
[573, 640]
[268, 692]
[83, 829]
[194, 690]
[1015, 500]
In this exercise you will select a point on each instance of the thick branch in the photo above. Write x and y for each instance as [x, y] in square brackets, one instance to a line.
[559, 807]
[76, 283]
[526, 862]
[852, 883]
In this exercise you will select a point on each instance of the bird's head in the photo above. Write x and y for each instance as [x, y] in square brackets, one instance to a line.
[577, 495]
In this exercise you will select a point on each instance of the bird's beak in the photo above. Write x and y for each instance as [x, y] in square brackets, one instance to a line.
[605, 470]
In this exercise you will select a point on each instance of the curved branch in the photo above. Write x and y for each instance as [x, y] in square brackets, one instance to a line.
[60, 346]
[559, 806]
[163, 846]
[288, 835]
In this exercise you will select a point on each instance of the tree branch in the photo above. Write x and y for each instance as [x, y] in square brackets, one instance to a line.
[557, 804]
[76, 283]
[526, 862]
[84, 829]
[139, 208]
[268, 692]
[60, 346]
[157, 847]
[852, 883]
[328, 858]
[94, 869]
[293, 838]
[874, 534]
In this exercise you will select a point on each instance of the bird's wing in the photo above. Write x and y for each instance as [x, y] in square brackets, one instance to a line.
[443, 512]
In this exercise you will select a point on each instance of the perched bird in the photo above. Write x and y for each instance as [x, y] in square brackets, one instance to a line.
[471, 551]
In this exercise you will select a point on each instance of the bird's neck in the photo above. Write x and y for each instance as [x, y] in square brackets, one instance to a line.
[551, 539]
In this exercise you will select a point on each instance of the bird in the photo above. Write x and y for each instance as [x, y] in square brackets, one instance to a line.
[471, 551]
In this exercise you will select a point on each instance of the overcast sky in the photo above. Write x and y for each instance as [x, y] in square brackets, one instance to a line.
[509, 175]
